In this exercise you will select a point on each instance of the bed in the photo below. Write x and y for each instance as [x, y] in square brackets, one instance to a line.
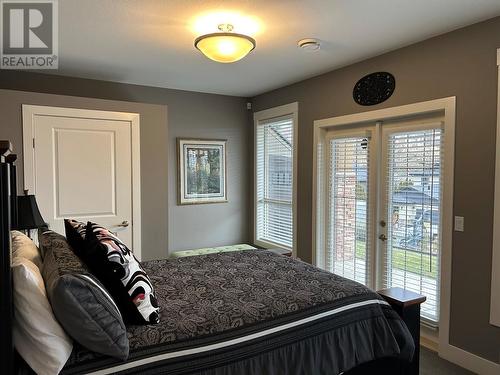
[244, 312]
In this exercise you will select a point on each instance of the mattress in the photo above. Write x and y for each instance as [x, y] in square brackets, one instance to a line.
[255, 312]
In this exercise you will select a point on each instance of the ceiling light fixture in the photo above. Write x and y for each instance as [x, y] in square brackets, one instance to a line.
[225, 46]
[309, 44]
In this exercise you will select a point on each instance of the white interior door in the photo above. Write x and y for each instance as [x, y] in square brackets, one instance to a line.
[82, 168]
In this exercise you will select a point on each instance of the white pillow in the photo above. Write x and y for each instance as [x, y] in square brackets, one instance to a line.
[38, 337]
[23, 246]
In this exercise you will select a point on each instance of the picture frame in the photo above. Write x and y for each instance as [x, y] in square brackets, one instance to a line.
[201, 171]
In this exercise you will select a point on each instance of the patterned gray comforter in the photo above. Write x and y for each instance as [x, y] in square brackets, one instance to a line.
[251, 311]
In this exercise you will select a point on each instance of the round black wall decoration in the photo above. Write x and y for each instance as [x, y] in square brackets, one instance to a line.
[374, 88]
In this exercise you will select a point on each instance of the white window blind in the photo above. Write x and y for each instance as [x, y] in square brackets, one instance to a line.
[348, 226]
[274, 185]
[413, 203]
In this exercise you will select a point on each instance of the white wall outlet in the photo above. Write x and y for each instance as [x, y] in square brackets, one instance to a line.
[459, 223]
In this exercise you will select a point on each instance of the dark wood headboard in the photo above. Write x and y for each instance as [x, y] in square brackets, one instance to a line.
[8, 213]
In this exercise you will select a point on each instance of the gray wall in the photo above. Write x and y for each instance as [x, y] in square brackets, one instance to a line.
[189, 115]
[461, 64]
[217, 117]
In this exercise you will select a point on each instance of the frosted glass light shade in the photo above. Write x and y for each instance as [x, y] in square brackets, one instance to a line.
[225, 47]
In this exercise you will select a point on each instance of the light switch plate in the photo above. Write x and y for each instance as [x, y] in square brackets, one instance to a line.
[459, 223]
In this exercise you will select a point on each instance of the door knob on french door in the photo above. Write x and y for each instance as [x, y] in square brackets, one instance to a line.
[382, 237]
[123, 224]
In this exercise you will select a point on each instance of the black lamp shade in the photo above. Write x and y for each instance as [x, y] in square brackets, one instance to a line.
[29, 216]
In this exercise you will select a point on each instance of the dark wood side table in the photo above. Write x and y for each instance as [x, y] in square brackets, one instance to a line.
[407, 305]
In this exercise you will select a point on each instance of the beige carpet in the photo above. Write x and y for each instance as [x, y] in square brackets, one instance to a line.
[432, 364]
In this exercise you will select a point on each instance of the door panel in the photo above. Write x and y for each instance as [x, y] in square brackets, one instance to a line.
[349, 210]
[99, 164]
[83, 170]
[411, 206]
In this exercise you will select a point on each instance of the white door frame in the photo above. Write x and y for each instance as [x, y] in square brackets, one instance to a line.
[447, 108]
[29, 162]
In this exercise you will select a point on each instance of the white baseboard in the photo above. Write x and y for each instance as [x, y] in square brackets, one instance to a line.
[468, 360]
[429, 344]
[429, 338]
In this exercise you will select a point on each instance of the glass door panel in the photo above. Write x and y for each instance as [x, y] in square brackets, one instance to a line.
[411, 198]
[348, 237]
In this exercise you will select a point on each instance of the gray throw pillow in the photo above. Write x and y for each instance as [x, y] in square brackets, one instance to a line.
[80, 302]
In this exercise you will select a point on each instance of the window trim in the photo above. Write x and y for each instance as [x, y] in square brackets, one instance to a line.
[264, 116]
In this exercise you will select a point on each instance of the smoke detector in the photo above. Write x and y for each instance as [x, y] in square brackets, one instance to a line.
[309, 44]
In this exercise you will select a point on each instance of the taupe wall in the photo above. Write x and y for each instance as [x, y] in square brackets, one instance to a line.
[189, 115]
[461, 64]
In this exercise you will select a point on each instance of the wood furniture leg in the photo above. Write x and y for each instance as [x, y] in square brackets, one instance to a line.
[407, 305]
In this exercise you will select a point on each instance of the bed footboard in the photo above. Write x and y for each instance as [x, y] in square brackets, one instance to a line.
[386, 366]
[6, 310]
[407, 305]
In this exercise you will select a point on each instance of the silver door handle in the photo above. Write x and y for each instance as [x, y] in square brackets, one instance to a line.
[123, 224]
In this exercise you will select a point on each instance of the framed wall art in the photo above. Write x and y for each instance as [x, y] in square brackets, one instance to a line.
[201, 171]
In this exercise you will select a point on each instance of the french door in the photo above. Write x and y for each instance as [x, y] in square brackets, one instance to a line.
[383, 215]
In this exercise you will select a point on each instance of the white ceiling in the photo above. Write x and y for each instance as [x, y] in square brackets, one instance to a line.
[150, 42]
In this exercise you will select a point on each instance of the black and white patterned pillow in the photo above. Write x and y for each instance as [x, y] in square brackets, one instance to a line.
[75, 234]
[120, 272]
[127, 269]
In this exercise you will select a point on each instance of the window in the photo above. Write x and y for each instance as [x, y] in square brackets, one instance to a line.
[275, 176]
